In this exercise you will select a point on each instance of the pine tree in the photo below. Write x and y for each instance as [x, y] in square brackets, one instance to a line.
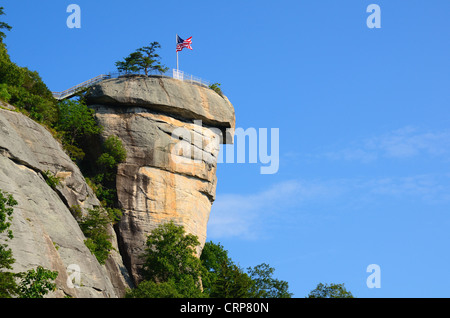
[3, 26]
[143, 59]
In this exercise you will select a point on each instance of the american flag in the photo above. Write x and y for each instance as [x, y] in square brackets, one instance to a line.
[181, 44]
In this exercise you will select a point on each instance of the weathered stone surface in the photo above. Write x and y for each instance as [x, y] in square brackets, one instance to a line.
[171, 96]
[159, 182]
[171, 131]
[31, 144]
[45, 232]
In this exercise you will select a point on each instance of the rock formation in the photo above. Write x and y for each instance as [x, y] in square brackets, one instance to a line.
[45, 232]
[171, 131]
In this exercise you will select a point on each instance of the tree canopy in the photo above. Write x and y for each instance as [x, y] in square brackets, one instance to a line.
[171, 269]
[143, 59]
[170, 254]
[24, 88]
[265, 286]
[224, 278]
[330, 291]
[76, 121]
[3, 26]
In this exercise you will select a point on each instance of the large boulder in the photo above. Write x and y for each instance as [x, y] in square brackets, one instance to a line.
[172, 132]
[167, 95]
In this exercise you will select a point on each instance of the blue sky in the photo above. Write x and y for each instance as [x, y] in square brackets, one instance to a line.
[363, 118]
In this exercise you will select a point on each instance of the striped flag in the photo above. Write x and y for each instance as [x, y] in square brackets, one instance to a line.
[181, 44]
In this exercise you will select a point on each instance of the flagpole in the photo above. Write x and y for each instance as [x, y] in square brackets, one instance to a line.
[176, 42]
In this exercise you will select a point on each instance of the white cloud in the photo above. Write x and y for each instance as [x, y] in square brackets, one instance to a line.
[406, 142]
[352, 155]
[427, 188]
[237, 215]
[251, 216]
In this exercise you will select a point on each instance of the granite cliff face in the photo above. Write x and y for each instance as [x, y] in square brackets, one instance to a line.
[45, 232]
[171, 131]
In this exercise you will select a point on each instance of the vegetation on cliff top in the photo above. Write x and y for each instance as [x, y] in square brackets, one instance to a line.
[25, 89]
[3, 26]
[146, 60]
[143, 59]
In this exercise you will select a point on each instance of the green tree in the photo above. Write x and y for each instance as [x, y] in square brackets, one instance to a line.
[130, 63]
[4, 94]
[225, 279]
[24, 88]
[150, 289]
[186, 287]
[213, 258]
[170, 254]
[265, 286]
[104, 181]
[95, 227]
[143, 59]
[330, 291]
[3, 26]
[216, 87]
[232, 282]
[8, 286]
[76, 123]
[171, 268]
[113, 153]
[35, 283]
[51, 179]
[7, 203]
[150, 60]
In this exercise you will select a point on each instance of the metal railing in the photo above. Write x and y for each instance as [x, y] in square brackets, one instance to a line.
[176, 74]
[182, 76]
[75, 89]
